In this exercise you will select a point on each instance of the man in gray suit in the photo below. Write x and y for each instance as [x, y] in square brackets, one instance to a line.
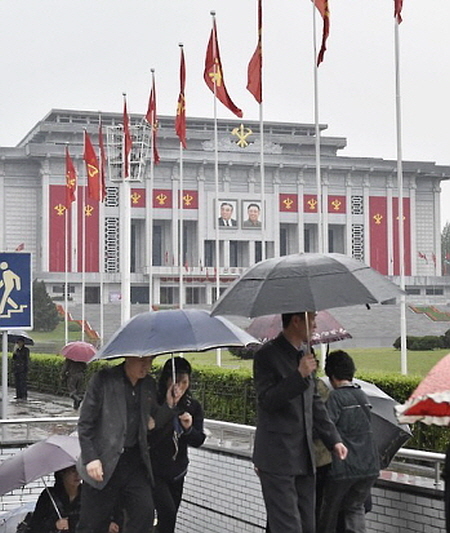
[118, 411]
[288, 410]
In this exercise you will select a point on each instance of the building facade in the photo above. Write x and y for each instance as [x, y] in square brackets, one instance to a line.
[191, 248]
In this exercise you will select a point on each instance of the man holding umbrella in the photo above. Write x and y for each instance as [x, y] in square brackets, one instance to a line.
[118, 411]
[289, 408]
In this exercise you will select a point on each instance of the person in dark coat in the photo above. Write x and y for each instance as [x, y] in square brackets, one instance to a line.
[20, 364]
[348, 482]
[169, 446]
[66, 496]
[119, 409]
[288, 408]
[72, 376]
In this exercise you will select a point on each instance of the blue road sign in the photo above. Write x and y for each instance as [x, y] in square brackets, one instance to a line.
[15, 291]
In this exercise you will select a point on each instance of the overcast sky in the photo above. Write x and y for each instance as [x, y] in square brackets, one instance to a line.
[82, 54]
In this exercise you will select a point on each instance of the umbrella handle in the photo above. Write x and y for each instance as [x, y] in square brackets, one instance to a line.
[52, 499]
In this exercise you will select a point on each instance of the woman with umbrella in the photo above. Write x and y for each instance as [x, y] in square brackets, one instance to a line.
[169, 446]
[58, 507]
[20, 364]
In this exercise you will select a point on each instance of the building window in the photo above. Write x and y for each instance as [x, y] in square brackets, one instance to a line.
[139, 294]
[357, 205]
[193, 295]
[209, 253]
[112, 197]
[258, 251]
[92, 295]
[167, 295]
[413, 291]
[434, 291]
[111, 244]
[358, 241]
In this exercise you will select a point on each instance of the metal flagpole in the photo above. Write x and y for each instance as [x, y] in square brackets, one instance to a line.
[149, 207]
[102, 237]
[216, 179]
[320, 232]
[125, 237]
[401, 232]
[263, 185]
[180, 226]
[66, 275]
[83, 251]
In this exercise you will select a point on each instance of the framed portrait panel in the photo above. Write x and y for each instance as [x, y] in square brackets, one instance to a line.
[252, 214]
[226, 213]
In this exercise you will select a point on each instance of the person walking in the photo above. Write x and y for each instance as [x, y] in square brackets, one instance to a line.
[20, 364]
[169, 446]
[72, 376]
[118, 411]
[288, 408]
[348, 484]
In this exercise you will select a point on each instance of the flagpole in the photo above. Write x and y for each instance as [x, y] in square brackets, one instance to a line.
[101, 233]
[125, 236]
[216, 178]
[180, 217]
[83, 252]
[149, 205]
[320, 232]
[66, 275]
[401, 231]
[261, 136]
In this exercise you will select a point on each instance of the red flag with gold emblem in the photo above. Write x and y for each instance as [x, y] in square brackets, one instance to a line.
[398, 5]
[152, 118]
[92, 169]
[127, 141]
[323, 8]
[254, 72]
[103, 160]
[71, 179]
[213, 73]
[180, 121]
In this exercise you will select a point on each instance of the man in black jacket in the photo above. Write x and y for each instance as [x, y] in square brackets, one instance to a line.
[288, 410]
[118, 411]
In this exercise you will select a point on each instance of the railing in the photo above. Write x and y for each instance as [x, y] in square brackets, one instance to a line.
[239, 439]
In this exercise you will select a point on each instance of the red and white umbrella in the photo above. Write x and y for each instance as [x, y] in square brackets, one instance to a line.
[79, 351]
[430, 402]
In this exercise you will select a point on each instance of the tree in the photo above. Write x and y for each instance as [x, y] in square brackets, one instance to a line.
[445, 249]
[45, 313]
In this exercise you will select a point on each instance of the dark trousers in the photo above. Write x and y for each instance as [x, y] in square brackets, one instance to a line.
[290, 502]
[167, 497]
[129, 487]
[20, 379]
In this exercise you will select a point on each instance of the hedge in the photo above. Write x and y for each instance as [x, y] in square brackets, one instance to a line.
[229, 395]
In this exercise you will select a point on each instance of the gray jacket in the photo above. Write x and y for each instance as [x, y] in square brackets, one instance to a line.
[102, 423]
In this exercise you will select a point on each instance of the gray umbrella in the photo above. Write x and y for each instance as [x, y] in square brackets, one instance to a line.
[304, 282]
[14, 336]
[179, 330]
[389, 434]
[40, 459]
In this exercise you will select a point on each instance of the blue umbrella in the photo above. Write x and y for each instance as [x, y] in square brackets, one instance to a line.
[180, 330]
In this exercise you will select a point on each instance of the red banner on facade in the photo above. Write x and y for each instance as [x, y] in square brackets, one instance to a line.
[137, 197]
[406, 236]
[310, 203]
[162, 198]
[190, 199]
[378, 233]
[288, 203]
[336, 204]
[57, 217]
[91, 233]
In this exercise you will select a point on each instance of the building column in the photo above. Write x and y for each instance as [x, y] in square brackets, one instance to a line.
[390, 225]
[348, 215]
[45, 217]
[276, 215]
[300, 214]
[413, 227]
[325, 187]
[366, 208]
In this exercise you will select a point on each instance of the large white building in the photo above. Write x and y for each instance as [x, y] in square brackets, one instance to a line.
[359, 214]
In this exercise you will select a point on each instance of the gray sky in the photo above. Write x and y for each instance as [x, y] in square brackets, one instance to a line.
[82, 54]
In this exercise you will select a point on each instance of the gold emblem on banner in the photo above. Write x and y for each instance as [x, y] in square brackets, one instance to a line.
[288, 202]
[88, 210]
[188, 199]
[242, 133]
[161, 199]
[135, 197]
[378, 218]
[60, 208]
[312, 204]
[336, 204]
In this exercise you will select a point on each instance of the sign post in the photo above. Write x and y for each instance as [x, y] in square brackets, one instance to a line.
[16, 306]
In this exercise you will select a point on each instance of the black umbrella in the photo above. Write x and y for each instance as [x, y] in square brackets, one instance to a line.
[14, 336]
[389, 434]
[304, 282]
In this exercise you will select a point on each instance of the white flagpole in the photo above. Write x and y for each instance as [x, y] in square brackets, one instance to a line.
[181, 233]
[101, 258]
[125, 236]
[320, 228]
[149, 208]
[401, 232]
[66, 275]
[216, 181]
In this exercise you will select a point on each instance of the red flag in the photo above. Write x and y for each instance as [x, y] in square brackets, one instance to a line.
[92, 169]
[152, 118]
[254, 72]
[71, 179]
[180, 121]
[103, 161]
[398, 5]
[20, 247]
[213, 74]
[127, 142]
[322, 6]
